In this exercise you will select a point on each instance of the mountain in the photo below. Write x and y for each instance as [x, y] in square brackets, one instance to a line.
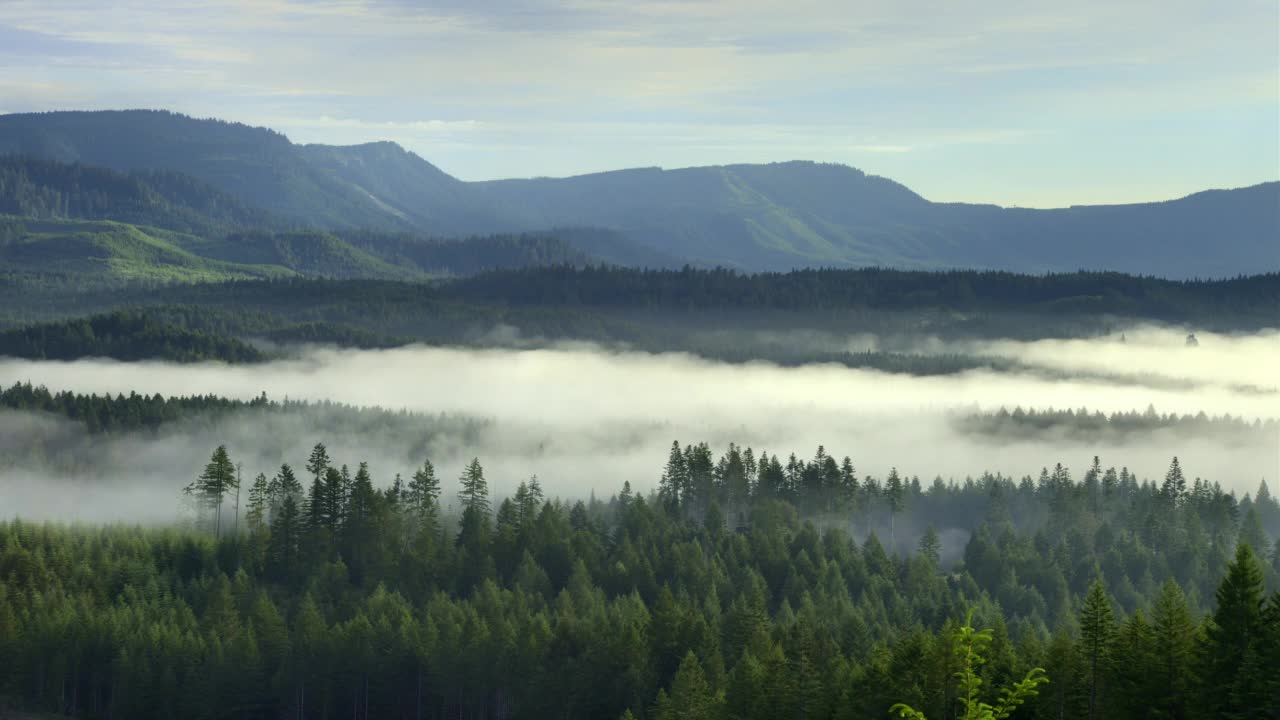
[753, 217]
[406, 187]
[259, 167]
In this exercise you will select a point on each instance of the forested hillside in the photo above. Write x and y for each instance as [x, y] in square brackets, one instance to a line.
[107, 254]
[50, 190]
[750, 217]
[747, 586]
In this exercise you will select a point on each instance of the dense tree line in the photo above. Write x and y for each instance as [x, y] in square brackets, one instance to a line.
[123, 336]
[716, 314]
[1095, 425]
[818, 290]
[469, 255]
[746, 586]
[139, 412]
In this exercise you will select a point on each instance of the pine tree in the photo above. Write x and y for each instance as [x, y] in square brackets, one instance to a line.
[1231, 639]
[358, 521]
[1251, 532]
[286, 537]
[893, 496]
[674, 485]
[1136, 679]
[475, 490]
[218, 478]
[334, 499]
[423, 498]
[315, 508]
[931, 546]
[1175, 483]
[1097, 636]
[848, 492]
[691, 698]
[318, 462]
[1110, 482]
[257, 513]
[284, 484]
[1173, 648]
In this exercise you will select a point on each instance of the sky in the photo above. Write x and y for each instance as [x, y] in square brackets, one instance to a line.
[1016, 102]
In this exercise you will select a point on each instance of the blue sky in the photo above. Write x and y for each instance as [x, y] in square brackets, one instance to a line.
[1017, 102]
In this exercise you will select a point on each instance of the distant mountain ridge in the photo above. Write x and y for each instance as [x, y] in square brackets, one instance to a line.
[753, 217]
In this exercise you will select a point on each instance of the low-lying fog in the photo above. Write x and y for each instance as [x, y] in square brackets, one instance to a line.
[586, 419]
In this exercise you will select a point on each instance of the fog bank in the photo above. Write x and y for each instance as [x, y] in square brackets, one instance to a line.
[584, 419]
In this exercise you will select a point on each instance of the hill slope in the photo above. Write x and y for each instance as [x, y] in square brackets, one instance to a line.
[47, 189]
[753, 217]
[95, 252]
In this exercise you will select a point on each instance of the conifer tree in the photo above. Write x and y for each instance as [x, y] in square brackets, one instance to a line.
[675, 479]
[1173, 648]
[931, 545]
[211, 487]
[286, 536]
[691, 698]
[1251, 532]
[257, 514]
[283, 484]
[474, 492]
[318, 462]
[1097, 636]
[1230, 671]
[893, 496]
[422, 498]
[1175, 483]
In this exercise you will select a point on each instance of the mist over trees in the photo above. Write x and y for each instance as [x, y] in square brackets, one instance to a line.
[747, 585]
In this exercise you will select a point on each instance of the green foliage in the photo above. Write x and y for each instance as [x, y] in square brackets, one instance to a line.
[970, 648]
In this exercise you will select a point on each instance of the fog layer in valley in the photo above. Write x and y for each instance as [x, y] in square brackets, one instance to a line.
[584, 419]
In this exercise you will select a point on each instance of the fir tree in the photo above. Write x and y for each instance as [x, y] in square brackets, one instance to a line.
[218, 478]
[1097, 636]
[931, 546]
[1173, 646]
[475, 490]
[1231, 642]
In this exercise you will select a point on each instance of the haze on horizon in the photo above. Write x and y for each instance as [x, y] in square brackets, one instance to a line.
[1028, 104]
